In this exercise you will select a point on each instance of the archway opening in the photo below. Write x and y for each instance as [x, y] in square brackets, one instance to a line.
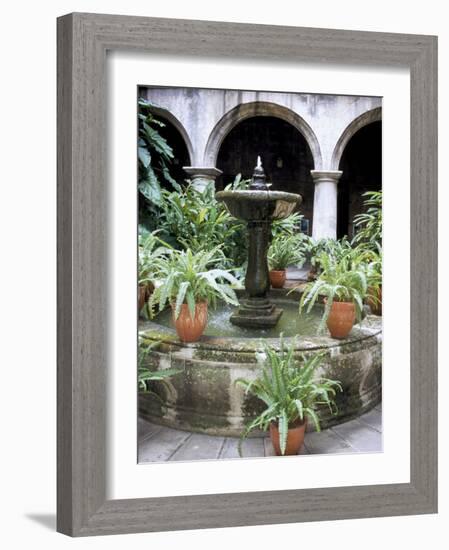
[181, 155]
[361, 164]
[286, 157]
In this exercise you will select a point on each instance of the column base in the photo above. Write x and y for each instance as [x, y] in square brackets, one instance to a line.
[256, 313]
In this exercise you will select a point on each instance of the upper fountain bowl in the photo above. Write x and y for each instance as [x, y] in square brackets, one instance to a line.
[257, 205]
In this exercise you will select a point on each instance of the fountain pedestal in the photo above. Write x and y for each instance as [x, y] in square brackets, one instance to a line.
[256, 310]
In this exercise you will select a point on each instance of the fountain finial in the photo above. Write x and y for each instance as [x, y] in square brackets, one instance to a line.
[259, 177]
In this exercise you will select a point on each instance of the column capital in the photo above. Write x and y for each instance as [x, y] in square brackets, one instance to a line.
[326, 175]
[203, 171]
[202, 175]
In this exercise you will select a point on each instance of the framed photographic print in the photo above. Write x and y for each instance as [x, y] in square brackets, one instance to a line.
[199, 371]
[244, 335]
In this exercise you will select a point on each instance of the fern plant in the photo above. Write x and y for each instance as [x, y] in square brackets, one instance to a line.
[369, 224]
[194, 219]
[290, 391]
[286, 250]
[291, 225]
[340, 280]
[151, 247]
[337, 249]
[187, 277]
[370, 260]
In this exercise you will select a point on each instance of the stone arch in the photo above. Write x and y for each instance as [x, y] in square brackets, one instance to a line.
[256, 109]
[364, 119]
[170, 117]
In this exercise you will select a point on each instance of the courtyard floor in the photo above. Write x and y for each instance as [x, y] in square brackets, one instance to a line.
[161, 444]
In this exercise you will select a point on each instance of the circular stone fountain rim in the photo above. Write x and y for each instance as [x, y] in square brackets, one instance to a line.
[370, 327]
[259, 195]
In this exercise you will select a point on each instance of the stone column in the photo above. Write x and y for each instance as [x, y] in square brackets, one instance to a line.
[325, 203]
[201, 176]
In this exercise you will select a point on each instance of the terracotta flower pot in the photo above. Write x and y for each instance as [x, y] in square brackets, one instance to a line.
[295, 438]
[190, 329]
[277, 278]
[374, 300]
[341, 319]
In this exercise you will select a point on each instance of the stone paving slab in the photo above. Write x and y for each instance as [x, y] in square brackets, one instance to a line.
[268, 447]
[251, 448]
[159, 444]
[206, 446]
[373, 419]
[326, 442]
[146, 429]
[360, 436]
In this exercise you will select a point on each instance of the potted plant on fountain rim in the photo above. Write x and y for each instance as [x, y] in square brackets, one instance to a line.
[284, 251]
[291, 392]
[343, 285]
[189, 283]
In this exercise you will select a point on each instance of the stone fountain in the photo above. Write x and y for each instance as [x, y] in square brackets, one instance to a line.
[204, 397]
[258, 206]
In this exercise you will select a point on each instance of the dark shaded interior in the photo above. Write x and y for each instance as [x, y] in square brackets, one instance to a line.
[361, 164]
[286, 157]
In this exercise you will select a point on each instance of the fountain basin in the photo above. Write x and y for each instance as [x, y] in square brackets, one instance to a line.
[256, 205]
[204, 397]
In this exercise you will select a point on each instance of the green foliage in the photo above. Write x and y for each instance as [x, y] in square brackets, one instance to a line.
[342, 280]
[146, 377]
[288, 245]
[151, 247]
[287, 226]
[187, 277]
[368, 242]
[289, 390]
[371, 262]
[194, 219]
[286, 250]
[336, 249]
[155, 156]
[369, 224]
[238, 184]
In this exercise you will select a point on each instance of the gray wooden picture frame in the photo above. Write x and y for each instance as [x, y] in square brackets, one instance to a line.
[83, 40]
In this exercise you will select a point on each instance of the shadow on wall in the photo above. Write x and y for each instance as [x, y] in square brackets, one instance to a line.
[46, 520]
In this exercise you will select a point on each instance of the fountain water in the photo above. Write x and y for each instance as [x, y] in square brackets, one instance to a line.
[258, 206]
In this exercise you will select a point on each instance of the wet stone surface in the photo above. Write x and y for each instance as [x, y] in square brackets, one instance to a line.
[290, 322]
